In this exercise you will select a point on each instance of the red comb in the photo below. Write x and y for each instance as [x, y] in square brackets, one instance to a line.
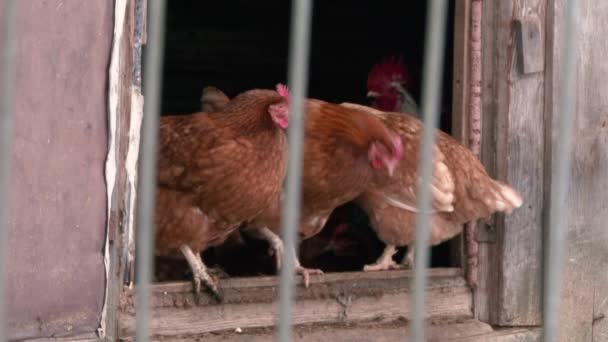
[283, 91]
[386, 71]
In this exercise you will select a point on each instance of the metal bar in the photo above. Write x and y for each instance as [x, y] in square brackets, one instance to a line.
[431, 96]
[554, 255]
[147, 166]
[298, 81]
[7, 109]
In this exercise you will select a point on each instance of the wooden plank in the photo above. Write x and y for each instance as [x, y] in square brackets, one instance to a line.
[460, 118]
[520, 163]
[336, 297]
[458, 331]
[460, 91]
[487, 286]
[513, 151]
[588, 236]
[507, 335]
[121, 99]
[585, 284]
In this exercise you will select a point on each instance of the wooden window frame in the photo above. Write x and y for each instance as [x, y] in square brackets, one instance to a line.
[356, 297]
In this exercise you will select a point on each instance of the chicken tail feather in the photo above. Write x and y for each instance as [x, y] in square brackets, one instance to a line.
[506, 198]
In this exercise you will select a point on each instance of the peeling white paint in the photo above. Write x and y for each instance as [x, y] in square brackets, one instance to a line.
[137, 114]
[120, 7]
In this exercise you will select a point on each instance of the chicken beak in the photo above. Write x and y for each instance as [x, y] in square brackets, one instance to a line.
[372, 94]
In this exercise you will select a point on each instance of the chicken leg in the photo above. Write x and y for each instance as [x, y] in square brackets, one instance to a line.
[408, 259]
[278, 249]
[385, 261]
[276, 244]
[200, 273]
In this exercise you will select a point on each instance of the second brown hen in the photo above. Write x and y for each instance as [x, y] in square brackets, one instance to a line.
[466, 192]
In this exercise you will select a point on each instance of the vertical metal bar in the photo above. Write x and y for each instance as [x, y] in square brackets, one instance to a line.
[560, 179]
[147, 167]
[7, 108]
[298, 81]
[431, 96]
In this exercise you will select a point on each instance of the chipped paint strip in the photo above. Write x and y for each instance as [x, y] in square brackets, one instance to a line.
[110, 168]
[137, 114]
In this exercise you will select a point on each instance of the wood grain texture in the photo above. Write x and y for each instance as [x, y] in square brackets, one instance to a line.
[458, 331]
[485, 297]
[460, 92]
[460, 83]
[585, 283]
[337, 297]
[513, 149]
[529, 44]
[120, 99]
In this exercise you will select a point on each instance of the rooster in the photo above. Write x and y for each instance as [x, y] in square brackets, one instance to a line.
[387, 86]
[469, 193]
[217, 170]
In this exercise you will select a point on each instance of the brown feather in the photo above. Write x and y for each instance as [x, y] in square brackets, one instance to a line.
[336, 166]
[229, 165]
[179, 222]
[475, 194]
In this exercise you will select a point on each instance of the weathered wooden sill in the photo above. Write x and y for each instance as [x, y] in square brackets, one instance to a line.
[331, 298]
[463, 331]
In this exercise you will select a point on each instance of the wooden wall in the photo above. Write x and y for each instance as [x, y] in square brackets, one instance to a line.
[585, 276]
[521, 109]
[57, 230]
[510, 256]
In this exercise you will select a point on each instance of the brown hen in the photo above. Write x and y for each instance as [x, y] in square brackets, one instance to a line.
[217, 170]
[464, 192]
[343, 149]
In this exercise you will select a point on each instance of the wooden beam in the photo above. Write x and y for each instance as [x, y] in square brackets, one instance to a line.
[510, 259]
[460, 84]
[457, 331]
[334, 297]
[460, 91]
[124, 114]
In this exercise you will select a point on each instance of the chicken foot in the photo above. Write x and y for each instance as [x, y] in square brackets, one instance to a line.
[200, 273]
[385, 261]
[277, 247]
[304, 272]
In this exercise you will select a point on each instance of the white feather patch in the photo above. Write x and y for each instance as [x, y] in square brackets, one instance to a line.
[398, 204]
[512, 196]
